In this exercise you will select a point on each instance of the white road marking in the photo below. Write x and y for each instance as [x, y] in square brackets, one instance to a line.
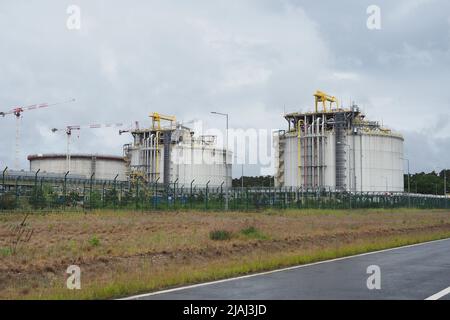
[277, 270]
[439, 295]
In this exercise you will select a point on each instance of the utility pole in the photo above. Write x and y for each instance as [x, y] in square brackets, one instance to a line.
[445, 183]
[409, 175]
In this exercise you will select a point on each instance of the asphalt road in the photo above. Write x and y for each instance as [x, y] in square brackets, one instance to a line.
[413, 272]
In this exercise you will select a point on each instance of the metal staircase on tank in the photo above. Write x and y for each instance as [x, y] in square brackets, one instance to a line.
[341, 159]
[280, 172]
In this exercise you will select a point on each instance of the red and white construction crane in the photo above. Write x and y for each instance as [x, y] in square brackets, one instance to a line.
[68, 130]
[17, 111]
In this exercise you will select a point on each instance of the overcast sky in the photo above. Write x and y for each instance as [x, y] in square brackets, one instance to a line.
[252, 59]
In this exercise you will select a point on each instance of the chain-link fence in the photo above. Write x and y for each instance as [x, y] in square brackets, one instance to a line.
[65, 193]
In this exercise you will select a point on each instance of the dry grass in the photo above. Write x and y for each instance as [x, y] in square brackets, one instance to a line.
[127, 252]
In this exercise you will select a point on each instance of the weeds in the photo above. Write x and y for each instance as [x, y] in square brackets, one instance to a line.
[253, 233]
[6, 251]
[220, 235]
[94, 241]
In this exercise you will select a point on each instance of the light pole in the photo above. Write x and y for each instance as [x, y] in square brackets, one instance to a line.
[242, 171]
[226, 156]
[445, 180]
[409, 183]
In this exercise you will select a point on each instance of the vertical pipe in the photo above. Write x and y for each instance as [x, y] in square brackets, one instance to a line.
[361, 161]
[318, 151]
[152, 155]
[313, 160]
[167, 138]
[323, 152]
[299, 152]
[158, 136]
[305, 162]
[354, 161]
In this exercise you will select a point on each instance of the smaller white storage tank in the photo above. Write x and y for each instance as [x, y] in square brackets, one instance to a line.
[175, 154]
[104, 167]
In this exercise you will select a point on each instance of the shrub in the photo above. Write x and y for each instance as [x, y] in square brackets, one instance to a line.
[94, 241]
[7, 201]
[252, 232]
[220, 235]
[5, 251]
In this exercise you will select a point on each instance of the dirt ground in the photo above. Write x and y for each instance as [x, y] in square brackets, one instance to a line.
[117, 250]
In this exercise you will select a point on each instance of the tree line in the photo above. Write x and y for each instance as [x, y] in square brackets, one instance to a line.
[423, 183]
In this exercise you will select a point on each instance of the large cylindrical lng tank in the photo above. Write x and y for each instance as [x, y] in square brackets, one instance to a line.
[337, 149]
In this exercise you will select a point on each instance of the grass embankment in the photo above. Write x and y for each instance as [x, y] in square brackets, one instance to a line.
[122, 253]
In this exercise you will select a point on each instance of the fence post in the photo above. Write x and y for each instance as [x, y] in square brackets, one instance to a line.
[35, 186]
[17, 190]
[103, 194]
[115, 195]
[190, 195]
[3, 179]
[175, 192]
[137, 194]
[121, 194]
[84, 195]
[182, 196]
[65, 189]
[155, 194]
[90, 191]
[221, 193]
[246, 198]
[206, 195]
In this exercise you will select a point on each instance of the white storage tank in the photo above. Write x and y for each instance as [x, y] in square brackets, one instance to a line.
[338, 150]
[104, 167]
[174, 154]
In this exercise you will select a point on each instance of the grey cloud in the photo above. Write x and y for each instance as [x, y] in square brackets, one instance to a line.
[253, 59]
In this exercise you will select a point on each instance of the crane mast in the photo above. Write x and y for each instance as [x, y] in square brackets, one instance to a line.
[68, 131]
[17, 112]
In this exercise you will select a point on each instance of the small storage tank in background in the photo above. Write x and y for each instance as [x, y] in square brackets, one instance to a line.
[105, 167]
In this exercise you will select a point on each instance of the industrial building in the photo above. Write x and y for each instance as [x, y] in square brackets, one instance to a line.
[158, 154]
[338, 149]
[172, 153]
[100, 167]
